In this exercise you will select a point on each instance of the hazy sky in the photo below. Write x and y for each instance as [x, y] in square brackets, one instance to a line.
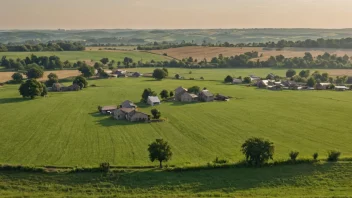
[140, 14]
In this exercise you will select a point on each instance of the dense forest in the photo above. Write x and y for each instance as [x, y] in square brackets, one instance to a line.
[50, 46]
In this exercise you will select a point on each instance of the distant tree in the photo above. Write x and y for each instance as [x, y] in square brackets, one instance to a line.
[146, 93]
[228, 79]
[104, 60]
[32, 88]
[103, 74]
[159, 74]
[177, 76]
[81, 82]
[247, 80]
[311, 82]
[52, 78]
[160, 151]
[17, 77]
[258, 151]
[166, 71]
[156, 113]
[98, 65]
[290, 73]
[293, 155]
[171, 93]
[308, 57]
[164, 94]
[127, 61]
[304, 73]
[86, 70]
[194, 89]
[34, 71]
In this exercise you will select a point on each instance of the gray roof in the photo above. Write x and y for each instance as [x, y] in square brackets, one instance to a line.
[108, 108]
[153, 99]
[180, 89]
[127, 110]
[207, 93]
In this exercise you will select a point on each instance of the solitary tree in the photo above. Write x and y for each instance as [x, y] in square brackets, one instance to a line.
[258, 151]
[160, 151]
[290, 73]
[17, 77]
[32, 88]
[247, 80]
[156, 113]
[35, 71]
[164, 94]
[159, 74]
[228, 79]
[177, 76]
[104, 61]
[81, 82]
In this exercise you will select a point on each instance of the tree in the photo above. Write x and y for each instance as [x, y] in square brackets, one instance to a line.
[290, 73]
[177, 76]
[166, 71]
[98, 65]
[304, 73]
[247, 80]
[156, 113]
[32, 88]
[81, 82]
[258, 151]
[171, 93]
[146, 93]
[164, 94]
[17, 77]
[311, 82]
[127, 61]
[52, 78]
[159, 74]
[34, 71]
[104, 61]
[228, 79]
[86, 70]
[160, 151]
[194, 89]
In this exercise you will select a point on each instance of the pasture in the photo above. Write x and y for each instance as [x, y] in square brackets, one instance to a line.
[209, 52]
[64, 129]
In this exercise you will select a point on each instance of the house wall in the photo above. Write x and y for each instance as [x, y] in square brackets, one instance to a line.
[119, 115]
[138, 116]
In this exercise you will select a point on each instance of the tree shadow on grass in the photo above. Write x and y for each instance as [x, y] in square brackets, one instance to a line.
[110, 122]
[184, 103]
[13, 100]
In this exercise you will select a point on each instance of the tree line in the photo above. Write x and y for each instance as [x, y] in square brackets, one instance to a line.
[50, 46]
[47, 62]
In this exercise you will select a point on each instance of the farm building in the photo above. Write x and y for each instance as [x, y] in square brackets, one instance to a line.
[189, 97]
[264, 83]
[107, 109]
[340, 88]
[130, 114]
[136, 74]
[178, 93]
[120, 72]
[271, 76]
[57, 87]
[128, 104]
[254, 78]
[206, 96]
[237, 81]
[222, 97]
[153, 100]
[322, 86]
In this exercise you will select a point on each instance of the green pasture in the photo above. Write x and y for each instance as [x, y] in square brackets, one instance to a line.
[65, 129]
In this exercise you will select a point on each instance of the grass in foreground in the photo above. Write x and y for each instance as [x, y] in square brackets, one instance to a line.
[304, 180]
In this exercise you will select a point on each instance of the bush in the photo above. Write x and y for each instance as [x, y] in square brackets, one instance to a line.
[228, 79]
[293, 155]
[333, 156]
[17, 77]
[315, 156]
[290, 73]
[156, 113]
[32, 88]
[105, 167]
[258, 151]
[202, 78]
[177, 76]
[81, 82]
[219, 161]
[247, 80]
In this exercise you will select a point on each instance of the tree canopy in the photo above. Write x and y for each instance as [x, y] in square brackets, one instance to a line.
[81, 82]
[159, 150]
[32, 88]
[159, 74]
[34, 71]
[257, 151]
[86, 70]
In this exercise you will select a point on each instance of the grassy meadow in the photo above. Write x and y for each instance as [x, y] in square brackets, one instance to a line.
[64, 129]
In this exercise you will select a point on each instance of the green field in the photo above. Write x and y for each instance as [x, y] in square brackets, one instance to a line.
[322, 180]
[90, 55]
[65, 128]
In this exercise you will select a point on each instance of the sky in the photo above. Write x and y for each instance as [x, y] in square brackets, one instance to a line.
[174, 14]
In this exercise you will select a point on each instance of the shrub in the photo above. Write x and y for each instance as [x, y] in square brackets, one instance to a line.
[202, 78]
[293, 155]
[177, 76]
[247, 80]
[228, 79]
[156, 113]
[333, 156]
[315, 156]
[219, 161]
[105, 167]
[81, 82]
[257, 151]
[190, 72]
[17, 77]
[290, 73]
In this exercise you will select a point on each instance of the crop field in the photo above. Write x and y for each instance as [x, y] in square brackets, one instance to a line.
[64, 129]
[209, 52]
[6, 76]
[90, 55]
[321, 180]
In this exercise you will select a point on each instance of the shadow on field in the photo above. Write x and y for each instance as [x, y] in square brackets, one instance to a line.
[13, 100]
[220, 181]
[184, 103]
[110, 122]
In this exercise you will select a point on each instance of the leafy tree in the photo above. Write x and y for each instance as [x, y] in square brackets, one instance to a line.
[333, 155]
[247, 80]
[98, 65]
[160, 151]
[52, 78]
[17, 77]
[171, 93]
[194, 89]
[34, 71]
[104, 61]
[166, 71]
[146, 93]
[293, 155]
[228, 79]
[81, 82]
[164, 94]
[159, 74]
[127, 61]
[315, 156]
[177, 76]
[304, 73]
[258, 151]
[308, 56]
[290, 73]
[311, 82]
[32, 88]
[86, 70]
[156, 113]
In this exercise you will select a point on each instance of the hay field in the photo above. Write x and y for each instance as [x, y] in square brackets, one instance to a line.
[6, 76]
[210, 52]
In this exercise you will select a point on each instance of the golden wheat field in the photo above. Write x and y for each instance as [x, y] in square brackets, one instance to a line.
[5, 76]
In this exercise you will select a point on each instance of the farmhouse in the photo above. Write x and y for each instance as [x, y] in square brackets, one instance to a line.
[136, 74]
[130, 114]
[322, 86]
[153, 100]
[271, 76]
[254, 78]
[264, 83]
[128, 104]
[107, 109]
[120, 72]
[178, 93]
[206, 96]
[340, 88]
[236, 81]
[59, 87]
[189, 97]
